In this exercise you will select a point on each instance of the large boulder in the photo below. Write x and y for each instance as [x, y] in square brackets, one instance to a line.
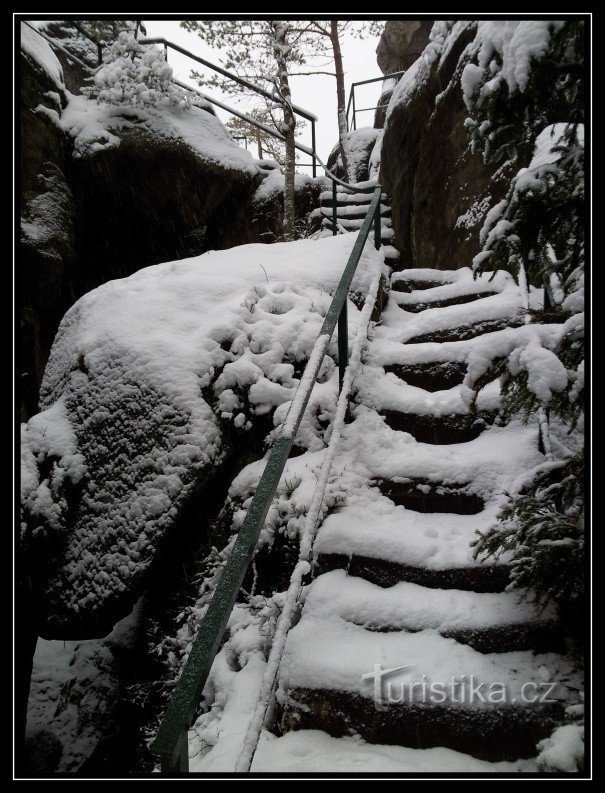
[401, 43]
[440, 189]
[107, 190]
[359, 145]
[152, 184]
[153, 381]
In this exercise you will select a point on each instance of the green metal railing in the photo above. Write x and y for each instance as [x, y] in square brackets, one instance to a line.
[352, 122]
[298, 111]
[171, 741]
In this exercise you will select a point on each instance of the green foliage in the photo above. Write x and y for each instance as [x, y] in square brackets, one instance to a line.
[538, 229]
[540, 222]
[505, 124]
[542, 528]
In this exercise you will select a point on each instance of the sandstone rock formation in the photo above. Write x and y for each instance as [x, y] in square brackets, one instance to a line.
[440, 189]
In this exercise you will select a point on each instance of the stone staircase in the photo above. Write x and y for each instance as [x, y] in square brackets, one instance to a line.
[395, 581]
[351, 209]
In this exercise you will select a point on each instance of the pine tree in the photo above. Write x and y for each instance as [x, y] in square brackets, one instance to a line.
[537, 233]
[333, 31]
[265, 52]
[264, 143]
[135, 75]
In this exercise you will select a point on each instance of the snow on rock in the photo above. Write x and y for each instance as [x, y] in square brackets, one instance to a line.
[94, 127]
[305, 751]
[313, 658]
[515, 45]
[273, 182]
[413, 607]
[563, 752]
[71, 685]
[38, 50]
[359, 144]
[125, 415]
[49, 442]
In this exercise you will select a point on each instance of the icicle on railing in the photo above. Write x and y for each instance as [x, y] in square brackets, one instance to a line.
[303, 565]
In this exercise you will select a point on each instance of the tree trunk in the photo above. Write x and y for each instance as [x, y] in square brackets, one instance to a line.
[280, 49]
[340, 96]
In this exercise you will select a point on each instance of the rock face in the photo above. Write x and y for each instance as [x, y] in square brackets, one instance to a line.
[440, 190]
[360, 143]
[401, 43]
[150, 199]
[47, 251]
[107, 190]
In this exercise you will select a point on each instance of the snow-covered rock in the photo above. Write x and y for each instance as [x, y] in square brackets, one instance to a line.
[141, 375]
[110, 188]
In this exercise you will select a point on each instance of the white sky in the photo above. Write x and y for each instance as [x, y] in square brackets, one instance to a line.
[316, 93]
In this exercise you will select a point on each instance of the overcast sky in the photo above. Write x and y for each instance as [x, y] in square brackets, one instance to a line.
[316, 93]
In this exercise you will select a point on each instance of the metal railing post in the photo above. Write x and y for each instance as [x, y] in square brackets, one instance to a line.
[343, 345]
[334, 212]
[549, 300]
[178, 762]
[313, 148]
[377, 228]
[354, 111]
[170, 742]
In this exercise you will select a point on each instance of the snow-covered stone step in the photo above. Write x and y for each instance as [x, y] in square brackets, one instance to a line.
[347, 211]
[356, 224]
[430, 376]
[391, 395]
[486, 466]
[468, 330]
[400, 283]
[461, 321]
[460, 280]
[330, 678]
[352, 211]
[416, 306]
[476, 577]
[390, 253]
[422, 495]
[488, 622]
[429, 366]
[343, 197]
[374, 538]
[305, 751]
[386, 233]
[449, 429]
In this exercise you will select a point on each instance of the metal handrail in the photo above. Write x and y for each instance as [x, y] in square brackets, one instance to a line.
[299, 111]
[170, 742]
[310, 151]
[58, 46]
[230, 75]
[351, 100]
[360, 188]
